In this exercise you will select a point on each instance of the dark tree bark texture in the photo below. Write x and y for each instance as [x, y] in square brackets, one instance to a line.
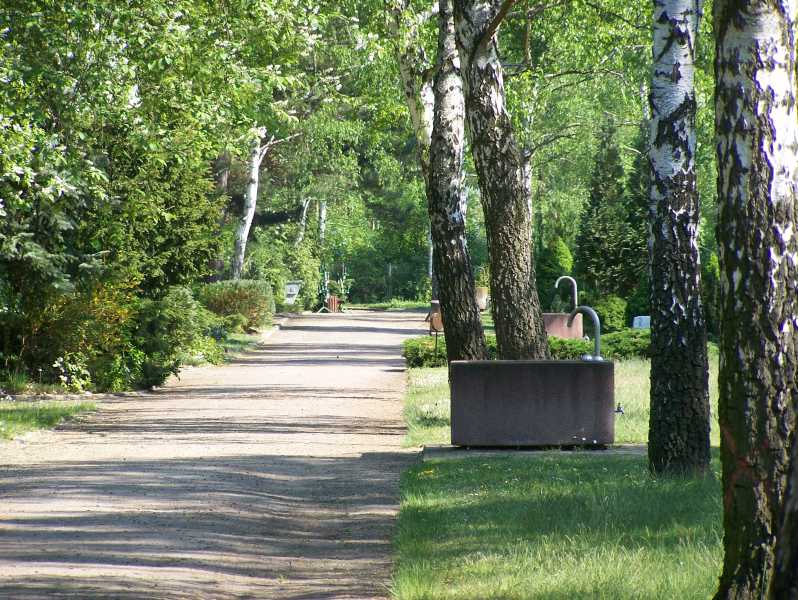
[757, 145]
[785, 578]
[678, 437]
[520, 331]
[465, 339]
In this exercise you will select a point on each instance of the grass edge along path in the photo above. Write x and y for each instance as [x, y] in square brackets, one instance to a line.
[569, 526]
[21, 416]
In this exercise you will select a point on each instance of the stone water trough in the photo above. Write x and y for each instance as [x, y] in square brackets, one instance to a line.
[534, 402]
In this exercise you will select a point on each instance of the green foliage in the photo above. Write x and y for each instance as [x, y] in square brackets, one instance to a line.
[710, 293]
[166, 329]
[13, 382]
[626, 344]
[640, 301]
[609, 259]
[248, 298]
[236, 323]
[620, 345]
[554, 261]
[612, 313]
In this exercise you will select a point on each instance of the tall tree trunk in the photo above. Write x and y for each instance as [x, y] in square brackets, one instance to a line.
[785, 578]
[678, 435]
[757, 145]
[465, 339]
[520, 331]
[250, 202]
[322, 223]
[303, 222]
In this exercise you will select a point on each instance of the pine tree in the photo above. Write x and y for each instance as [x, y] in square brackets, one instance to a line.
[601, 240]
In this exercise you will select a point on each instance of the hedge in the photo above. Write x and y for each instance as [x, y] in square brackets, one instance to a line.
[620, 345]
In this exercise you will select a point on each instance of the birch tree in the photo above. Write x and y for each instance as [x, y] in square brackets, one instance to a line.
[257, 152]
[678, 437]
[505, 195]
[259, 148]
[436, 109]
[465, 338]
[757, 149]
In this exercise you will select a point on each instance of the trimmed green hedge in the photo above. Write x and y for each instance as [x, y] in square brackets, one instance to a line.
[620, 345]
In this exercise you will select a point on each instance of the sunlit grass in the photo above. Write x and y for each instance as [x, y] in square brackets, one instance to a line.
[579, 525]
[571, 526]
[18, 417]
[395, 304]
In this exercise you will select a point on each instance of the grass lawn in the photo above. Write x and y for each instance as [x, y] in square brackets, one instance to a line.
[390, 305]
[17, 417]
[573, 526]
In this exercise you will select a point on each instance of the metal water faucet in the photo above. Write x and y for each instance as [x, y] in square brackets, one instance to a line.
[573, 283]
[586, 310]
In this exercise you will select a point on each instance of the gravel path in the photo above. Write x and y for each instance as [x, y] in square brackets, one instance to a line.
[274, 476]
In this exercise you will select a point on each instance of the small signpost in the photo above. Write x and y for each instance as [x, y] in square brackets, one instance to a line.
[641, 322]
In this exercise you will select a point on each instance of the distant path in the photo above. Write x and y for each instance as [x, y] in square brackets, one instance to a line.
[274, 476]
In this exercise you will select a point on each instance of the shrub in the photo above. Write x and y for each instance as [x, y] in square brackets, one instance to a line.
[168, 329]
[235, 323]
[612, 313]
[622, 345]
[250, 298]
[627, 343]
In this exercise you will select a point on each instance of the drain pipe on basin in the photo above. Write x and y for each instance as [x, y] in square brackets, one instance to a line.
[586, 310]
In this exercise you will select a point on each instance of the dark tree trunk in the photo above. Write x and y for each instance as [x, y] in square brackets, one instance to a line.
[757, 144]
[678, 436]
[520, 331]
[785, 578]
[465, 339]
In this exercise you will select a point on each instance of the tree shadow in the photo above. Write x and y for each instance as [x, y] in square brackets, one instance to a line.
[238, 526]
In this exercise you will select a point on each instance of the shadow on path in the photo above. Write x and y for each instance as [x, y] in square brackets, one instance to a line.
[252, 517]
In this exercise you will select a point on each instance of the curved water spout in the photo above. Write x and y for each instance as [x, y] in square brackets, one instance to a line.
[586, 310]
[573, 283]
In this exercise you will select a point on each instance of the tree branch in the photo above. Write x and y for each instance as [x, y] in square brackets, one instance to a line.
[493, 27]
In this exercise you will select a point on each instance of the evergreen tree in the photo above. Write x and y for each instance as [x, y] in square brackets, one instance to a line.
[602, 238]
[638, 193]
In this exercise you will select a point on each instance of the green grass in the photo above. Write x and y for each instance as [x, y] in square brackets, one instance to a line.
[17, 417]
[239, 342]
[576, 525]
[555, 527]
[395, 304]
[487, 322]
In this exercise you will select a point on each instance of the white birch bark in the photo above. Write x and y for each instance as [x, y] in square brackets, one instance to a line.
[303, 222]
[678, 439]
[322, 222]
[757, 148]
[256, 155]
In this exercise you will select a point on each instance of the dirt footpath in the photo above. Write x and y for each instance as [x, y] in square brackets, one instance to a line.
[274, 476]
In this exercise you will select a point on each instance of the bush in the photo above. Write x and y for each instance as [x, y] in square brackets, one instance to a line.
[250, 298]
[168, 330]
[627, 343]
[622, 345]
[612, 313]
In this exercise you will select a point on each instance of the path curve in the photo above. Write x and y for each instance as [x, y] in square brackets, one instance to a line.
[274, 476]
